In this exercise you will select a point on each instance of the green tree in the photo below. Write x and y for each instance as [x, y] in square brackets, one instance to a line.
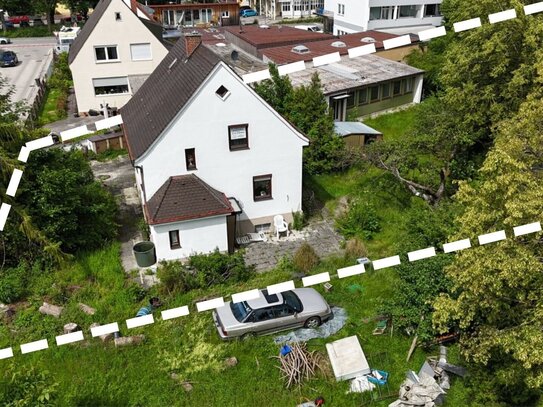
[496, 298]
[65, 201]
[307, 109]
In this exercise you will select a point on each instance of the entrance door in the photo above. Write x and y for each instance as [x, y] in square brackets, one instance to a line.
[339, 109]
[231, 232]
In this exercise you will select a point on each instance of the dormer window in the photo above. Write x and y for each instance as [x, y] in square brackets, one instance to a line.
[222, 92]
[117, 16]
[300, 49]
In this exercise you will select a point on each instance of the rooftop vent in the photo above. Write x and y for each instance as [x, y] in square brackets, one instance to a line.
[338, 44]
[368, 39]
[300, 49]
[220, 44]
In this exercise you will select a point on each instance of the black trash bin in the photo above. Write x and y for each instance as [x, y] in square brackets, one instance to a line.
[145, 254]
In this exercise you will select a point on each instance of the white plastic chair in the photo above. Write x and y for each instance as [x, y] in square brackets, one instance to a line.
[280, 225]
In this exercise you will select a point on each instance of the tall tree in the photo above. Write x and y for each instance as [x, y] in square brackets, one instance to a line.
[496, 299]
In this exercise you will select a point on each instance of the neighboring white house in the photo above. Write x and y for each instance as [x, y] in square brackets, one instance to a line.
[213, 160]
[287, 8]
[395, 16]
[113, 55]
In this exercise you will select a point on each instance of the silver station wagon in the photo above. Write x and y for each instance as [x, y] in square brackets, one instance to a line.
[301, 307]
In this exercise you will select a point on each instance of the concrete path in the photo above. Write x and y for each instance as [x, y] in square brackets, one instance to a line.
[320, 235]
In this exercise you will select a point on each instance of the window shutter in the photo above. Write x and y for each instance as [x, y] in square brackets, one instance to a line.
[140, 52]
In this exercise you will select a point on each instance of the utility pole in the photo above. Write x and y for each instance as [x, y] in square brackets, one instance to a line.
[3, 21]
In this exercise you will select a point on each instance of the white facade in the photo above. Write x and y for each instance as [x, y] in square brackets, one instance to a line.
[195, 236]
[352, 16]
[119, 47]
[287, 8]
[275, 149]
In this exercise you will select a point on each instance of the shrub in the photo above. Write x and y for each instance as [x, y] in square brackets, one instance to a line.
[298, 220]
[355, 248]
[175, 278]
[305, 258]
[13, 282]
[360, 220]
[217, 267]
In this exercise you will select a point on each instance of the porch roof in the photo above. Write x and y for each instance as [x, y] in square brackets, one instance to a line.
[186, 197]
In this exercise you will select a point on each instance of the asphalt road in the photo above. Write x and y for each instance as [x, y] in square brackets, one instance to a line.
[32, 54]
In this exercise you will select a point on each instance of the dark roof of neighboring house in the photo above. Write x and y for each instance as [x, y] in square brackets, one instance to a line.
[275, 35]
[87, 29]
[185, 197]
[284, 54]
[164, 94]
[347, 128]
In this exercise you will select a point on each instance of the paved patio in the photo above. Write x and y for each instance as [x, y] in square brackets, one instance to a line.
[320, 235]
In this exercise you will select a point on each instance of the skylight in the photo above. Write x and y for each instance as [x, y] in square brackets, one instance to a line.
[300, 49]
[338, 44]
[367, 39]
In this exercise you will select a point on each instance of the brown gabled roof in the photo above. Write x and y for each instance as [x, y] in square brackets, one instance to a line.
[87, 29]
[164, 94]
[186, 197]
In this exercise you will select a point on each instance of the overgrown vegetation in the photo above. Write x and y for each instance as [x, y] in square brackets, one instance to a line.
[361, 220]
[305, 258]
[58, 89]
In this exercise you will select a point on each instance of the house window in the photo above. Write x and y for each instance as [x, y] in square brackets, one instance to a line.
[407, 11]
[174, 239]
[206, 15]
[285, 7]
[362, 96]
[382, 13]
[262, 187]
[409, 85]
[432, 10]
[110, 86]
[222, 92]
[140, 52]
[397, 88]
[190, 159]
[106, 53]
[385, 90]
[238, 137]
[117, 16]
[374, 93]
[350, 100]
[225, 14]
[341, 9]
[264, 227]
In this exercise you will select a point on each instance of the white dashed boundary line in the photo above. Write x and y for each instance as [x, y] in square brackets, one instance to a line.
[288, 285]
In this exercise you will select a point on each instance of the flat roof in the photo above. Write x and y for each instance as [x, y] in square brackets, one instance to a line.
[275, 35]
[284, 54]
[356, 72]
[244, 62]
[346, 128]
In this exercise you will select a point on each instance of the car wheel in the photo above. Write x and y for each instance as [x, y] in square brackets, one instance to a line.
[3, 42]
[246, 336]
[312, 322]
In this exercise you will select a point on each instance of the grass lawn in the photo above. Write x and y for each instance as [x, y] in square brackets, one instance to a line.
[95, 374]
[394, 125]
[49, 112]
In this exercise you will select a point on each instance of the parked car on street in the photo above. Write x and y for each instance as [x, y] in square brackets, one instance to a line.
[9, 58]
[23, 21]
[248, 13]
[5, 40]
[301, 307]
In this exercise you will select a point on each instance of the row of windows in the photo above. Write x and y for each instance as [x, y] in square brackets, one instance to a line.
[341, 9]
[262, 190]
[303, 5]
[110, 53]
[379, 92]
[392, 12]
[190, 17]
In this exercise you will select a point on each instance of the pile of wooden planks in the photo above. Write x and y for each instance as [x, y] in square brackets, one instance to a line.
[299, 364]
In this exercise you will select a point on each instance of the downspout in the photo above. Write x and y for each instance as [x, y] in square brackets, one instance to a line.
[140, 168]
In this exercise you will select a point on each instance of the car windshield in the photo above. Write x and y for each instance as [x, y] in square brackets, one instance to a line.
[240, 310]
[292, 301]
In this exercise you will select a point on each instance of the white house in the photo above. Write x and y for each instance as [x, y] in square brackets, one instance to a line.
[287, 8]
[395, 16]
[114, 54]
[212, 159]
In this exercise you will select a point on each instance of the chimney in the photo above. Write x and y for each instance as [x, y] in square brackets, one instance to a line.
[192, 40]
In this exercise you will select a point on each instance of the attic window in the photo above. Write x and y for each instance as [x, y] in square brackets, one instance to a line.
[300, 49]
[367, 39]
[117, 16]
[338, 44]
[222, 92]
